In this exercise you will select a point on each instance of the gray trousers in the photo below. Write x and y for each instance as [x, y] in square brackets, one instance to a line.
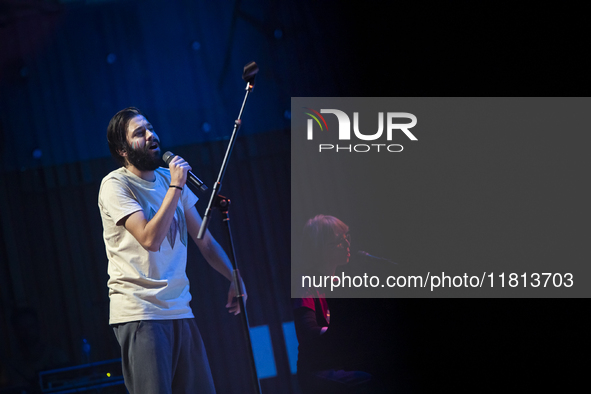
[163, 357]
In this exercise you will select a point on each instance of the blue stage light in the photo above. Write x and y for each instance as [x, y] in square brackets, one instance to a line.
[262, 348]
[291, 344]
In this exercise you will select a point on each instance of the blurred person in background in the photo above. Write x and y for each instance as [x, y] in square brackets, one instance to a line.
[324, 362]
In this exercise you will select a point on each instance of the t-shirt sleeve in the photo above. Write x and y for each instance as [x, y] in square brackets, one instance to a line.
[117, 200]
[188, 198]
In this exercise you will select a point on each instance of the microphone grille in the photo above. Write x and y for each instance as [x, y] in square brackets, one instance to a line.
[250, 71]
[168, 156]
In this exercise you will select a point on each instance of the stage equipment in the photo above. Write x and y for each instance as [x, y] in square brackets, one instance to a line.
[98, 377]
[371, 257]
[223, 204]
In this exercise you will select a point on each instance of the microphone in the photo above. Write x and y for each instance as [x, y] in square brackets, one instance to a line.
[168, 156]
[250, 72]
[375, 258]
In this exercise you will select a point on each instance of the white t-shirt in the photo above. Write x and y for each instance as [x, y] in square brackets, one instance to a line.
[144, 285]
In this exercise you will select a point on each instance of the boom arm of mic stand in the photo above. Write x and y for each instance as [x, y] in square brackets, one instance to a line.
[217, 201]
[218, 185]
[207, 215]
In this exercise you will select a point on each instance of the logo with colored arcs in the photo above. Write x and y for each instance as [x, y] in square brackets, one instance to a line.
[316, 118]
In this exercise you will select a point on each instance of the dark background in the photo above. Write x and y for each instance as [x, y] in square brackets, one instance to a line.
[467, 345]
[67, 67]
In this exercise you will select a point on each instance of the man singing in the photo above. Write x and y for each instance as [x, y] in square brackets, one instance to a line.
[147, 212]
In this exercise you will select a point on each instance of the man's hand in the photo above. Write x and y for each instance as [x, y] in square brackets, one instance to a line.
[233, 305]
[178, 171]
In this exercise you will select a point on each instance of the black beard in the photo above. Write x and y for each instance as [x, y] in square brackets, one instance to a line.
[143, 159]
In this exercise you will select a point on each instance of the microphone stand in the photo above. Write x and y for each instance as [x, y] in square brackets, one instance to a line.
[223, 204]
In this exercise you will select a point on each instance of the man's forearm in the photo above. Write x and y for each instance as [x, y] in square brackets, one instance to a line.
[210, 249]
[217, 258]
[158, 226]
[151, 233]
